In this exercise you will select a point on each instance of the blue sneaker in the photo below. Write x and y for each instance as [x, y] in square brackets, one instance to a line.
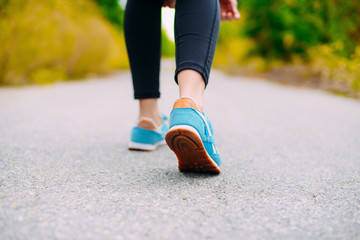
[146, 136]
[191, 138]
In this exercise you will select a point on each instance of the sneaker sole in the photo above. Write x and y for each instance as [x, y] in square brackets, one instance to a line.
[144, 147]
[187, 145]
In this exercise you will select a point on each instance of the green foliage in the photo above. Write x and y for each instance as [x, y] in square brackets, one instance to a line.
[46, 41]
[115, 14]
[281, 28]
[112, 11]
[322, 34]
[3, 3]
[167, 46]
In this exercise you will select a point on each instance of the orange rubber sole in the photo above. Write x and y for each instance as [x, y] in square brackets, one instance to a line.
[190, 152]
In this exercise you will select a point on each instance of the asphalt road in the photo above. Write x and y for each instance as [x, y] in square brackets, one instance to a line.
[291, 165]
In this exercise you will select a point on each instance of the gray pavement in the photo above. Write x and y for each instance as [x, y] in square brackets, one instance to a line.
[291, 165]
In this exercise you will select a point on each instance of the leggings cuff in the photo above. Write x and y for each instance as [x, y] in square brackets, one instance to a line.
[146, 95]
[193, 66]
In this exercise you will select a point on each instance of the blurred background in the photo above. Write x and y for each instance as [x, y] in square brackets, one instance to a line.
[303, 43]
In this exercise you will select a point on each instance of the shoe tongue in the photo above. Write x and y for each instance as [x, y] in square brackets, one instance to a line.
[147, 123]
[185, 103]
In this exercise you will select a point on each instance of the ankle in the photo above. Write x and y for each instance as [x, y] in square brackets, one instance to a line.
[191, 85]
[148, 108]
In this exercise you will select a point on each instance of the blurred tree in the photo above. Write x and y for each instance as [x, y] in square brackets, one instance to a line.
[281, 28]
[74, 41]
[322, 34]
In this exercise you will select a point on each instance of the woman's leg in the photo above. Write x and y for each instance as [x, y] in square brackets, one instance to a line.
[142, 26]
[191, 136]
[196, 31]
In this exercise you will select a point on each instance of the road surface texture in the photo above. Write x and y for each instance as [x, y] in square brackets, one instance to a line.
[291, 165]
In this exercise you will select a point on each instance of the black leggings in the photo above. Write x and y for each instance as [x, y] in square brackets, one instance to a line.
[196, 31]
